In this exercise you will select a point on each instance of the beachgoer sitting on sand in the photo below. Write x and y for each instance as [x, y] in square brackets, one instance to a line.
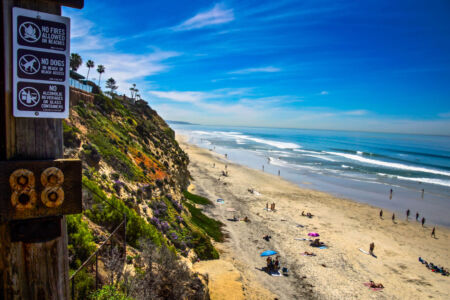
[317, 243]
[246, 219]
[309, 215]
[267, 237]
[308, 253]
[376, 285]
[269, 264]
[276, 264]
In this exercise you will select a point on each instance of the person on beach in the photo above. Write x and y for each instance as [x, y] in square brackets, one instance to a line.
[390, 195]
[407, 214]
[423, 191]
[393, 217]
[267, 206]
[278, 172]
[423, 221]
[263, 168]
[417, 216]
[381, 214]
[372, 246]
[277, 263]
[433, 233]
[267, 237]
[269, 264]
[303, 213]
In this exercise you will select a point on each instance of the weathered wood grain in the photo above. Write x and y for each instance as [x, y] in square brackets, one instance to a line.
[29, 270]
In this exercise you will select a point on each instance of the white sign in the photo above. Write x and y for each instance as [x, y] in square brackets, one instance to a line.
[41, 57]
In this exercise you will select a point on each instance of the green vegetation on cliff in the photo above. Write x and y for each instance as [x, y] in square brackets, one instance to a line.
[133, 167]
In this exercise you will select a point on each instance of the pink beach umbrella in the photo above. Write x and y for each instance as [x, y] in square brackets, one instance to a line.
[313, 234]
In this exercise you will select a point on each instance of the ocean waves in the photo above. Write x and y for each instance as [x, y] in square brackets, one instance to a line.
[389, 164]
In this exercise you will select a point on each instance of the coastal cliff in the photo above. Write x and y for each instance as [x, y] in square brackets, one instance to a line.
[133, 167]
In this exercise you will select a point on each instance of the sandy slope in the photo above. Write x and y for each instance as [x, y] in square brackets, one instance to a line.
[335, 273]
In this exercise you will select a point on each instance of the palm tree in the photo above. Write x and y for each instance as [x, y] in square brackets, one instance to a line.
[111, 84]
[75, 61]
[133, 90]
[100, 70]
[89, 65]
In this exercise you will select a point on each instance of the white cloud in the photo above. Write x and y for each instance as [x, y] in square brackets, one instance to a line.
[358, 112]
[217, 15]
[127, 68]
[324, 93]
[268, 69]
[177, 96]
[124, 68]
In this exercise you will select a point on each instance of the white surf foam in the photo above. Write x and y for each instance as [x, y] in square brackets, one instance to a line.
[320, 156]
[427, 180]
[390, 164]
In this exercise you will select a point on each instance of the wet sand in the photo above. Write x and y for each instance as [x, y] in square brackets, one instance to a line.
[345, 226]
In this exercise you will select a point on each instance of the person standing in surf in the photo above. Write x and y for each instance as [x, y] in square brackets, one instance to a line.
[423, 221]
[390, 194]
[407, 214]
[433, 233]
[381, 214]
[417, 216]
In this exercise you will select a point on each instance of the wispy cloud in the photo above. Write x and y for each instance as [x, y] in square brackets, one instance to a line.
[324, 93]
[268, 69]
[357, 112]
[219, 14]
[125, 68]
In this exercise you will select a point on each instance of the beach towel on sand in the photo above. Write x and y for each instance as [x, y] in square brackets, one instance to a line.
[373, 289]
[323, 247]
[275, 273]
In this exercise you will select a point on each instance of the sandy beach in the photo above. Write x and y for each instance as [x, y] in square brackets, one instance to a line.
[338, 272]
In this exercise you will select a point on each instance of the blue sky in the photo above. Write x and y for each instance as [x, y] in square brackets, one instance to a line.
[351, 65]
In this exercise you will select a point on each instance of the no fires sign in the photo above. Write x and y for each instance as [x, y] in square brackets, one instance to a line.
[41, 49]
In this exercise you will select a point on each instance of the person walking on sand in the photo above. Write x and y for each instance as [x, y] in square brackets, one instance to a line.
[433, 233]
[423, 191]
[274, 206]
[390, 194]
[417, 216]
[423, 221]
[393, 217]
[267, 206]
[372, 246]
[407, 214]
[381, 214]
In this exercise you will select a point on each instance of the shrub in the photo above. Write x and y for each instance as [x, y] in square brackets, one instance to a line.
[196, 199]
[81, 242]
[109, 212]
[109, 292]
[210, 226]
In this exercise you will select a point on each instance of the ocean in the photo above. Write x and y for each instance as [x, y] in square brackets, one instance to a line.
[361, 166]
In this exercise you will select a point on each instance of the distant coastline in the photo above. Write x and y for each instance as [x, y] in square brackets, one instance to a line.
[180, 122]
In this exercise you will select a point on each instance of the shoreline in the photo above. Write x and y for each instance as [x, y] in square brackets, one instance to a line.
[435, 207]
[345, 225]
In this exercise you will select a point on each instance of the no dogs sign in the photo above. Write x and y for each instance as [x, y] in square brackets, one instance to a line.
[41, 50]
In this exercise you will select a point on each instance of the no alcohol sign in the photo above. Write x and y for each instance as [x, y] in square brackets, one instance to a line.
[41, 52]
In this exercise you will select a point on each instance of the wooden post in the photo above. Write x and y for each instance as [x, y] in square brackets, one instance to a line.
[29, 270]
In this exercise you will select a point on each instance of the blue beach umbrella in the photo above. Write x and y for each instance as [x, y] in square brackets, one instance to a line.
[268, 253]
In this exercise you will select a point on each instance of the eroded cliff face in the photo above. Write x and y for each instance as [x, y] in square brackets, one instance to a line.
[132, 160]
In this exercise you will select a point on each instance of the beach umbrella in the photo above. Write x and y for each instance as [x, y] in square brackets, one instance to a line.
[268, 253]
[313, 234]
